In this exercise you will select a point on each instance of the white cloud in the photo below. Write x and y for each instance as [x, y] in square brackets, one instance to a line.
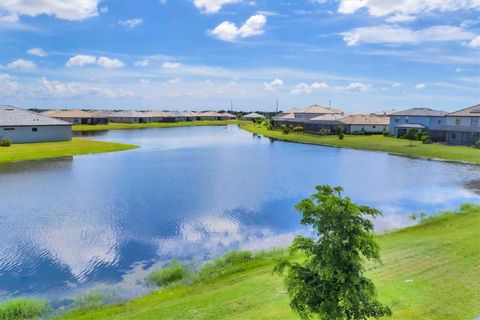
[475, 43]
[420, 86]
[110, 63]
[80, 60]
[7, 84]
[37, 52]
[142, 63]
[396, 85]
[103, 9]
[131, 23]
[274, 85]
[212, 6]
[21, 64]
[67, 10]
[405, 8]
[173, 81]
[59, 89]
[358, 86]
[171, 65]
[228, 31]
[396, 35]
[307, 89]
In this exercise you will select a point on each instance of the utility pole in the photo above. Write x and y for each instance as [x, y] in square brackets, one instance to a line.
[231, 105]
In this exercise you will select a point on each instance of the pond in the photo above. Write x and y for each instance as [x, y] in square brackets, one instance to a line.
[104, 221]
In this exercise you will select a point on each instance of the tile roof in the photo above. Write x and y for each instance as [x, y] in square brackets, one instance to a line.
[420, 112]
[128, 114]
[318, 109]
[365, 119]
[11, 116]
[467, 112]
[253, 115]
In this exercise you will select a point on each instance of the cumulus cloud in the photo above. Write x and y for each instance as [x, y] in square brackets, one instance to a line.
[475, 43]
[396, 85]
[212, 6]
[21, 64]
[59, 89]
[67, 10]
[304, 88]
[7, 85]
[228, 31]
[396, 35]
[274, 85]
[142, 63]
[81, 60]
[405, 10]
[420, 86]
[358, 86]
[37, 52]
[171, 65]
[110, 63]
[131, 23]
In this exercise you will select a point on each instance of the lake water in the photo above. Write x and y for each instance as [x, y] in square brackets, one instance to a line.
[104, 221]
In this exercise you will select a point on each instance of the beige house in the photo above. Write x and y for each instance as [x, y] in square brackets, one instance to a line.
[365, 123]
[77, 116]
[252, 116]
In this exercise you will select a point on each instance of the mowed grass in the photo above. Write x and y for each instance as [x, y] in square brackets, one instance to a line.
[126, 126]
[46, 150]
[430, 271]
[377, 143]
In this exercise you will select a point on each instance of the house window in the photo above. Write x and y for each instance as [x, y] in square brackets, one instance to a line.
[397, 120]
[474, 121]
[8, 129]
[406, 120]
[454, 136]
[374, 127]
[458, 121]
[439, 121]
[34, 129]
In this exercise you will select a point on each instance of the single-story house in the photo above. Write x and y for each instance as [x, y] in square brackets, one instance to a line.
[129, 116]
[365, 123]
[158, 116]
[252, 116]
[327, 123]
[77, 116]
[23, 126]
[191, 115]
[229, 116]
[424, 119]
[211, 115]
[461, 127]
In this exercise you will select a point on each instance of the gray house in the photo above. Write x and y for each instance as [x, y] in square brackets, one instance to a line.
[22, 126]
[422, 119]
[461, 127]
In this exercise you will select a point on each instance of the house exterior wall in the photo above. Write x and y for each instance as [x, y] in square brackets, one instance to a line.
[462, 138]
[27, 134]
[427, 121]
[463, 121]
[357, 128]
[124, 120]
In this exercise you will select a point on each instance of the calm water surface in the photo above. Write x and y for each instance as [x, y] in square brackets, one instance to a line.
[104, 221]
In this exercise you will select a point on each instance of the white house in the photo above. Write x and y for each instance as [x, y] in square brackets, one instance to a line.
[23, 126]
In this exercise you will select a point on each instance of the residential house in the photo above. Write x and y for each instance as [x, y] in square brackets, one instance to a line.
[229, 116]
[22, 126]
[211, 115]
[313, 118]
[158, 116]
[252, 116]
[422, 119]
[129, 116]
[365, 123]
[77, 116]
[461, 127]
[191, 115]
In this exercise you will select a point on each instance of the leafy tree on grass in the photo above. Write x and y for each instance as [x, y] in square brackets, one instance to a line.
[411, 135]
[330, 282]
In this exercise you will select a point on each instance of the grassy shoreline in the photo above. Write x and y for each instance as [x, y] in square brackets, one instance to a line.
[49, 150]
[423, 276]
[378, 143]
[127, 126]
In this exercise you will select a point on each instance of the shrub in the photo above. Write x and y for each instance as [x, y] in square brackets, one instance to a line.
[426, 139]
[231, 262]
[298, 129]
[173, 273]
[90, 301]
[322, 132]
[387, 134]
[339, 133]
[477, 144]
[285, 129]
[5, 143]
[20, 309]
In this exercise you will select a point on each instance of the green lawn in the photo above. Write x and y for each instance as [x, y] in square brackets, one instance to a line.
[123, 126]
[34, 151]
[430, 271]
[378, 143]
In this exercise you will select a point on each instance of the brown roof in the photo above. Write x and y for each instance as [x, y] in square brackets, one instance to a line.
[365, 119]
[68, 114]
[467, 112]
[210, 114]
[318, 109]
[157, 114]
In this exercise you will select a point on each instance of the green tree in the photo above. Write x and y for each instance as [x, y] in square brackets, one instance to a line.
[330, 282]
[411, 135]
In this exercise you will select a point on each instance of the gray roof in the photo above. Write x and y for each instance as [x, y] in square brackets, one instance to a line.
[411, 126]
[420, 112]
[253, 115]
[15, 117]
[127, 114]
[467, 112]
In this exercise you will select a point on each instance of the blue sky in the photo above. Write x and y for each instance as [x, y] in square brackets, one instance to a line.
[362, 55]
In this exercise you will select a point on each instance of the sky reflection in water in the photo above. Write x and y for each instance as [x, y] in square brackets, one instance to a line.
[190, 194]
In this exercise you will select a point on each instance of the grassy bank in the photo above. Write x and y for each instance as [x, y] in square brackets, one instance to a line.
[430, 271]
[377, 143]
[45, 150]
[126, 126]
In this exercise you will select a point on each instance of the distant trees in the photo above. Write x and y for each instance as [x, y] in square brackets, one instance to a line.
[330, 283]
